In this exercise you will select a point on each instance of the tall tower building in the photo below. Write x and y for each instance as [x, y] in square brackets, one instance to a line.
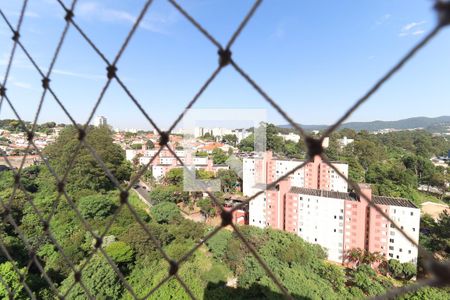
[100, 121]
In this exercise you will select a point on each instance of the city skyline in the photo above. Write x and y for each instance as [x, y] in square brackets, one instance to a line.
[293, 51]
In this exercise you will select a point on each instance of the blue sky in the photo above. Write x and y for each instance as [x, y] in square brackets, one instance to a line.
[315, 58]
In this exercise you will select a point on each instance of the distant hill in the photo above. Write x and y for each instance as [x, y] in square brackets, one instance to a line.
[438, 124]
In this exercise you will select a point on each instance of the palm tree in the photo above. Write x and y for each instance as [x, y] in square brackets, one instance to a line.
[354, 256]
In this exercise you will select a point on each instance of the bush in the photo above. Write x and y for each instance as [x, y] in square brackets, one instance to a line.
[120, 252]
[165, 212]
[95, 206]
[409, 270]
[395, 268]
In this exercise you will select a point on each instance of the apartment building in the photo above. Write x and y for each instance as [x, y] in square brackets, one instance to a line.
[262, 170]
[313, 203]
[342, 221]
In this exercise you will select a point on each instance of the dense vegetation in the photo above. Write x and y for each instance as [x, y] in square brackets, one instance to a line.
[417, 122]
[223, 268]
[393, 163]
[16, 126]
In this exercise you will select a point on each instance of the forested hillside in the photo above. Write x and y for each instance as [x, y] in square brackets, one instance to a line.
[438, 124]
[300, 266]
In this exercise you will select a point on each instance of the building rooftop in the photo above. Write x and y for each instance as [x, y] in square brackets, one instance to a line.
[323, 193]
[382, 200]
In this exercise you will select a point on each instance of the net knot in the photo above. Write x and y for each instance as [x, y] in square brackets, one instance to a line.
[2, 91]
[173, 267]
[226, 217]
[44, 225]
[30, 136]
[16, 36]
[45, 83]
[224, 57]
[443, 10]
[163, 139]
[81, 134]
[60, 186]
[314, 146]
[123, 197]
[98, 242]
[77, 276]
[69, 15]
[111, 71]
[16, 179]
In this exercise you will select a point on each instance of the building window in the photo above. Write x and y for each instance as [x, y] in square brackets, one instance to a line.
[315, 240]
[334, 230]
[414, 229]
[391, 255]
[409, 251]
[412, 214]
[335, 217]
[391, 240]
[400, 250]
[299, 229]
[398, 257]
[391, 247]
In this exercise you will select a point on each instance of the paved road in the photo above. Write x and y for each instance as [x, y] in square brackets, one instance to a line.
[143, 192]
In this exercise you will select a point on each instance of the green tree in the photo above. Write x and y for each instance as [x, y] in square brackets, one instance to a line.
[99, 278]
[207, 207]
[230, 139]
[86, 173]
[427, 293]
[218, 244]
[395, 268]
[165, 212]
[96, 206]
[120, 252]
[174, 176]
[365, 279]
[229, 180]
[12, 280]
[219, 156]
[170, 193]
[136, 146]
[150, 144]
[409, 270]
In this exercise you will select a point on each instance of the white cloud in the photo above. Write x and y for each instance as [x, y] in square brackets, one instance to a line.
[94, 10]
[22, 85]
[78, 75]
[413, 28]
[28, 14]
[412, 25]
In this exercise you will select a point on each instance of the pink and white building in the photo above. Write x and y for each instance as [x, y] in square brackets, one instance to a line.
[262, 170]
[314, 204]
[165, 161]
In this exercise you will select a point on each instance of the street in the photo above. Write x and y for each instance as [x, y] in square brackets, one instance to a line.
[143, 192]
